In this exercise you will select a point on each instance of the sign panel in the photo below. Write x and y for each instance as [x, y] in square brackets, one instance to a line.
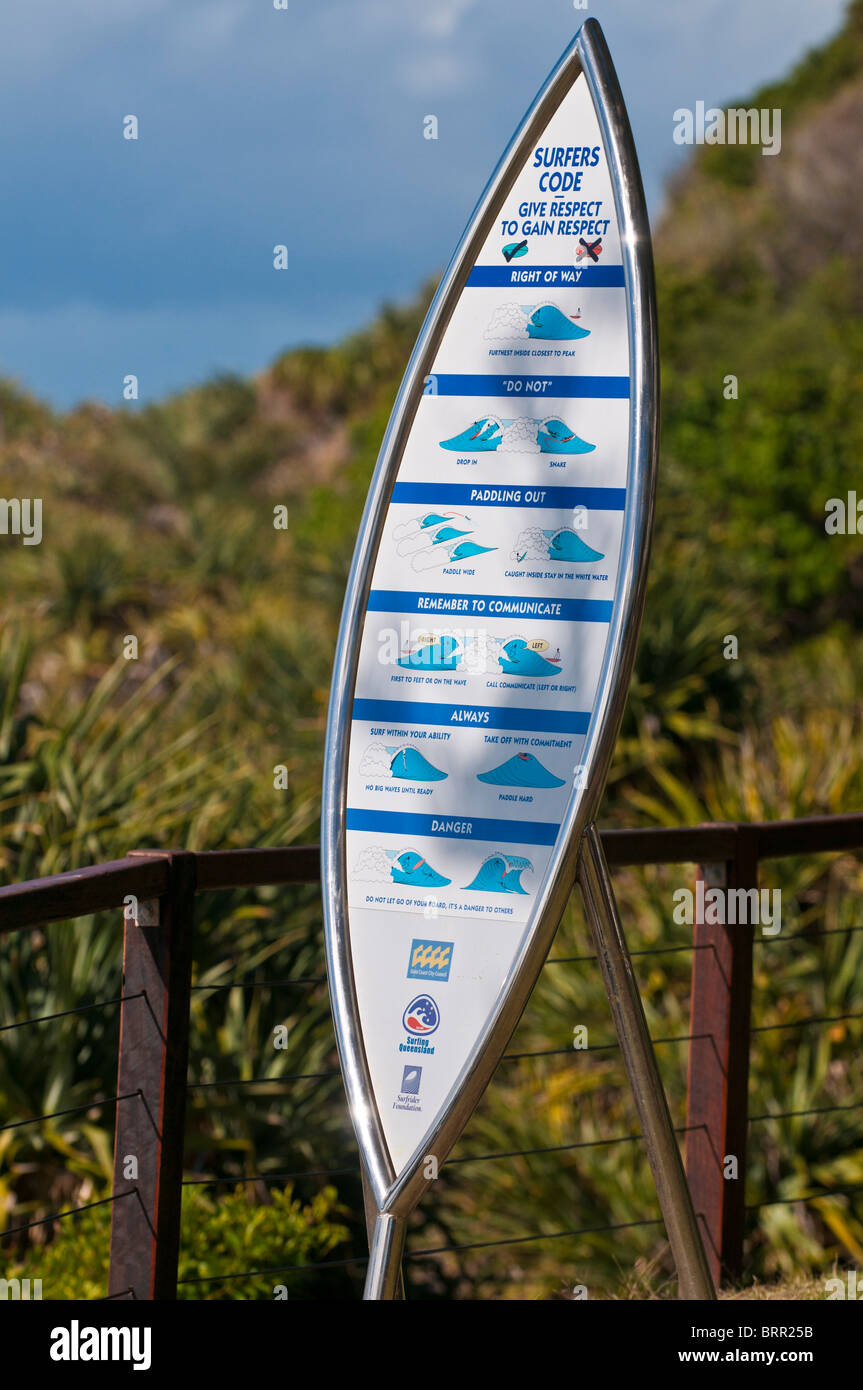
[490, 624]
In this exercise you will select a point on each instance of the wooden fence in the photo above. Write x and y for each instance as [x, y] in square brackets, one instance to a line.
[156, 892]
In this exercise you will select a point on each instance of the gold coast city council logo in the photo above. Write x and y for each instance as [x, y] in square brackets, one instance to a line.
[430, 960]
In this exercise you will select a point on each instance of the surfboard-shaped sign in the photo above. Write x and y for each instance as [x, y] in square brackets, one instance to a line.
[489, 625]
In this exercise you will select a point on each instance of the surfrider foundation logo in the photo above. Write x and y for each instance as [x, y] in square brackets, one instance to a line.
[408, 1097]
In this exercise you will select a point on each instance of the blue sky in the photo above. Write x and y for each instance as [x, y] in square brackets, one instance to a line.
[301, 127]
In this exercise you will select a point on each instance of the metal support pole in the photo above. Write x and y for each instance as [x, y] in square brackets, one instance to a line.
[371, 1214]
[385, 1257]
[693, 1273]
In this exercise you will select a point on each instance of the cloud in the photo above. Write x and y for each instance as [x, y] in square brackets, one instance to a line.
[520, 438]
[432, 559]
[375, 761]
[261, 126]
[530, 545]
[36, 37]
[195, 34]
[481, 655]
[373, 866]
[407, 529]
[441, 20]
[507, 322]
[413, 539]
[438, 74]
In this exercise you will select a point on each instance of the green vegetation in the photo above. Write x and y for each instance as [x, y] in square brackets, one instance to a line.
[158, 523]
[237, 1232]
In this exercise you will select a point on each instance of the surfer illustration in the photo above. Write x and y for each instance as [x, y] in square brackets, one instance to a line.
[410, 868]
[521, 770]
[555, 437]
[406, 764]
[567, 546]
[519, 436]
[432, 519]
[435, 540]
[564, 546]
[549, 322]
[520, 322]
[500, 873]
[438, 653]
[410, 764]
[519, 659]
[480, 437]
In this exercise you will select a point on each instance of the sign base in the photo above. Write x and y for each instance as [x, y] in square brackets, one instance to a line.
[384, 1274]
[387, 1233]
[675, 1200]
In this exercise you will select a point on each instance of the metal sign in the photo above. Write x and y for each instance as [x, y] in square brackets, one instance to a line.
[489, 630]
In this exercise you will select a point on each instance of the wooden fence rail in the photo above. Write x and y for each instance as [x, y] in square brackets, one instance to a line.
[156, 891]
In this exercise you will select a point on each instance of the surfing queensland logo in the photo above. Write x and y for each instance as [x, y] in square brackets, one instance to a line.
[420, 1018]
[430, 960]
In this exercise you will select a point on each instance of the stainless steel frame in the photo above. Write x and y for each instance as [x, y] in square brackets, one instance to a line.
[693, 1271]
[393, 1196]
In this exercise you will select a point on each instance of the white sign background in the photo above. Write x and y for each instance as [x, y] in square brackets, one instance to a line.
[487, 623]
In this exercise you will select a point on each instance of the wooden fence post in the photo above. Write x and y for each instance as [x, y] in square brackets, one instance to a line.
[152, 1065]
[718, 1081]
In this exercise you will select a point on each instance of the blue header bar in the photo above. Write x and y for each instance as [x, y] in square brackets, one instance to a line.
[405, 712]
[512, 832]
[538, 277]
[521, 388]
[600, 499]
[572, 610]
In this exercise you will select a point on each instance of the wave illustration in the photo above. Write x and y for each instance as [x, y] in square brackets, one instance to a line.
[550, 323]
[410, 868]
[480, 437]
[410, 765]
[521, 660]
[466, 549]
[448, 533]
[500, 873]
[519, 322]
[566, 546]
[524, 435]
[555, 437]
[442, 654]
[521, 770]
